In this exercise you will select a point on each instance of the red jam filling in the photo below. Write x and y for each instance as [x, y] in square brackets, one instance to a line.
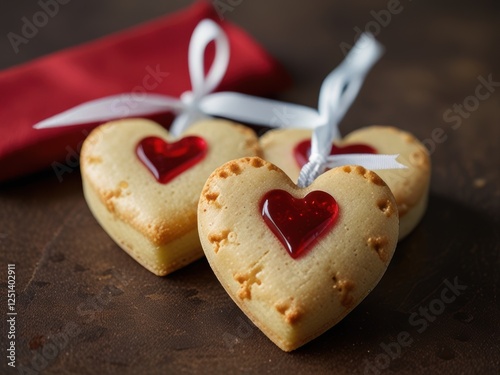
[168, 160]
[303, 149]
[299, 222]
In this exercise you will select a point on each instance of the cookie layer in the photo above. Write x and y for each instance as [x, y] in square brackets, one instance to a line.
[155, 223]
[410, 186]
[295, 300]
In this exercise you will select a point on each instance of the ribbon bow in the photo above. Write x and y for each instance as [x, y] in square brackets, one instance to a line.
[337, 93]
[191, 106]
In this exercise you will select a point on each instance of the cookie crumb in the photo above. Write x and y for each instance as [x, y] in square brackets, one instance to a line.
[345, 287]
[211, 197]
[256, 162]
[373, 178]
[367, 175]
[246, 281]
[360, 170]
[223, 174]
[218, 239]
[293, 316]
[379, 244]
[109, 198]
[385, 206]
[91, 159]
[291, 312]
[419, 159]
[408, 138]
[232, 168]
[235, 168]
[272, 167]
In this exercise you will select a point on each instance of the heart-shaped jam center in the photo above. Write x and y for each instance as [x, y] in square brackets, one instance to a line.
[303, 150]
[167, 160]
[298, 222]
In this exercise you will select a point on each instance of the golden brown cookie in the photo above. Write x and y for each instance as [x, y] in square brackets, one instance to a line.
[410, 186]
[296, 261]
[153, 216]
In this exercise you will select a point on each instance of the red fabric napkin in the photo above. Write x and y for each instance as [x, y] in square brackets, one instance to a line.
[148, 58]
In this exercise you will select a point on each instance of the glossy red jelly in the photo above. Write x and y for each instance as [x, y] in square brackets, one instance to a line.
[167, 160]
[303, 149]
[299, 222]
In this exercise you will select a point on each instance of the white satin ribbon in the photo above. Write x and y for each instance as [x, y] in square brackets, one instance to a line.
[192, 105]
[368, 161]
[337, 93]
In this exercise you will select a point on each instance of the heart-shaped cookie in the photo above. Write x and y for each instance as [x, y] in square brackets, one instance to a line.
[288, 149]
[296, 261]
[143, 187]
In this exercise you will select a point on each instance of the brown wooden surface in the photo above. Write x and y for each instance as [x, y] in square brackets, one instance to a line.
[105, 314]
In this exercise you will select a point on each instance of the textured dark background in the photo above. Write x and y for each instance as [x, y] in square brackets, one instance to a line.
[79, 293]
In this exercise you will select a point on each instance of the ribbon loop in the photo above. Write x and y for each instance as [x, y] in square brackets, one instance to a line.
[207, 31]
[188, 107]
[338, 91]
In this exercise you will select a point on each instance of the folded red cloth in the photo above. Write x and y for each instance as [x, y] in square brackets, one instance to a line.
[152, 58]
